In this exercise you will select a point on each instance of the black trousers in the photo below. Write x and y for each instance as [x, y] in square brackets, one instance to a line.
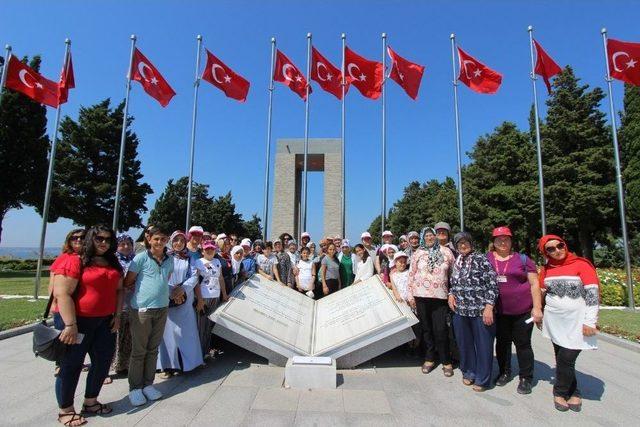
[432, 313]
[565, 385]
[513, 329]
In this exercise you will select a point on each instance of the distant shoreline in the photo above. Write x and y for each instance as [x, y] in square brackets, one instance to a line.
[27, 252]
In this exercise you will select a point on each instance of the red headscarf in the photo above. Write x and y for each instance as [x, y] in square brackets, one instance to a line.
[570, 257]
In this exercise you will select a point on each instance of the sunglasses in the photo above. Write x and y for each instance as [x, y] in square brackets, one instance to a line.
[77, 238]
[101, 239]
[551, 249]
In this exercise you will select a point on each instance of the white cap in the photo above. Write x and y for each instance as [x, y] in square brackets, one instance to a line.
[403, 237]
[345, 243]
[387, 233]
[196, 229]
[222, 236]
[245, 242]
[305, 234]
[365, 235]
[400, 254]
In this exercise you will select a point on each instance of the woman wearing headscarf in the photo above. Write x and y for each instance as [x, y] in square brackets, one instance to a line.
[237, 266]
[348, 264]
[180, 348]
[473, 292]
[125, 254]
[431, 266]
[364, 266]
[570, 314]
[385, 262]
[284, 263]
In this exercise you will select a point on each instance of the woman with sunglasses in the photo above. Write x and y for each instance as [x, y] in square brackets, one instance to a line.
[570, 314]
[89, 295]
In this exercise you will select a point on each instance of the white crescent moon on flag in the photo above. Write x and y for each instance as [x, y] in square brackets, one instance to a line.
[141, 67]
[21, 74]
[615, 57]
[464, 65]
[285, 67]
[350, 67]
[213, 72]
[318, 65]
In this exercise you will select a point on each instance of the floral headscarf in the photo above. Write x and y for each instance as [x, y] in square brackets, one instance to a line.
[435, 254]
[125, 259]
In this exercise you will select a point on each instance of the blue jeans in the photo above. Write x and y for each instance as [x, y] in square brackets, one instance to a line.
[100, 343]
[475, 342]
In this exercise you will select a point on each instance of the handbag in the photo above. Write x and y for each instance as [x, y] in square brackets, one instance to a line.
[45, 339]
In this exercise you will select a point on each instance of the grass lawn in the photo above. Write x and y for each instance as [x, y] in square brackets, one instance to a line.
[19, 311]
[21, 282]
[623, 323]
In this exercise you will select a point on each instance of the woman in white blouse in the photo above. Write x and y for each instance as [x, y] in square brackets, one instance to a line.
[364, 266]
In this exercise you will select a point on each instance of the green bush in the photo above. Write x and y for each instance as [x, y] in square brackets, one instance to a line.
[613, 295]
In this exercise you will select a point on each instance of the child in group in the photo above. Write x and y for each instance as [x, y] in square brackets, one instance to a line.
[399, 277]
[267, 263]
[305, 279]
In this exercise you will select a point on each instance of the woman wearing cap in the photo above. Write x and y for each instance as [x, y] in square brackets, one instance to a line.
[473, 293]
[180, 349]
[330, 271]
[570, 314]
[212, 287]
[249, 264]
[519, 298]
[367, 242]
[194, 239]
[443, 233]
[348, 264]
[305, 238]
[429, 290]
[364, 266]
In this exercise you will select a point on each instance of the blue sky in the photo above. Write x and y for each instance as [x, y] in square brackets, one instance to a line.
[231, 136]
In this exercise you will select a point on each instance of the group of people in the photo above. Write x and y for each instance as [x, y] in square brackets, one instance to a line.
[136, 309]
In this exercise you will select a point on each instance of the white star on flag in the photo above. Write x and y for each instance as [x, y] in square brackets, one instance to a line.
[631, 63]
[154, 81]
[39, 85]
[363, 77]
[477, 73]
[329, 76]
[298, 78]
[227, 79]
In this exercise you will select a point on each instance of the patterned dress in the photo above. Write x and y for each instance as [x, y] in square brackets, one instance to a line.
[473, 284]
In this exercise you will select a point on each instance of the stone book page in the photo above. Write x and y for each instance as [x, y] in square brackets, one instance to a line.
[354, 313]
[274, 311]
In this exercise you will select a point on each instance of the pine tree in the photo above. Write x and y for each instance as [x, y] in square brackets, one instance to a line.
[87, 169]
[24, 148]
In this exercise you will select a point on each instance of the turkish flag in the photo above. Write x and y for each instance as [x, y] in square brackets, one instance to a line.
[545, 65]
[24, 79]
[328, 76]
[143, 71]
[624, 58]
[476, 75]
[288, 74]
[407, 74]
[67, 81]
[224, 78]
[365, 75]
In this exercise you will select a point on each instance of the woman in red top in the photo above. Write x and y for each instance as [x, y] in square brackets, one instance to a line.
[89, 294]
[570, 314]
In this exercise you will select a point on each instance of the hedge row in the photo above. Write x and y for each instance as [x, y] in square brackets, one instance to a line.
[22, 265]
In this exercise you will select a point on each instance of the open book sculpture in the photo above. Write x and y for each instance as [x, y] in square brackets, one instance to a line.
[352, 325]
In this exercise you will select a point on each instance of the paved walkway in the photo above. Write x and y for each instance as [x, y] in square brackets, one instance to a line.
[241, 389]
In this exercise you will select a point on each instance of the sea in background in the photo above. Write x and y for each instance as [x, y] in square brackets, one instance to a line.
[27, 253]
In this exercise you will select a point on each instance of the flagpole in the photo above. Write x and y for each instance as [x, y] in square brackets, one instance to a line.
[5, 67]
[342, 132]
[196, 85]
[265, 215]
[543, 220]
[47, 191]
[616, 155]
[457, 117]
[123, 138]
[303, 226]
[384, 135]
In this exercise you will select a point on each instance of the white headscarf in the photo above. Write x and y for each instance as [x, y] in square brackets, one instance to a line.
[235, 265]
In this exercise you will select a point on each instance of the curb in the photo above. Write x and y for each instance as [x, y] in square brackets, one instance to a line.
[620, 342]
[10, 333]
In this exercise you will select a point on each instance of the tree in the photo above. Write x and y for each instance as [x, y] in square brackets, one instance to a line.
[216, 215]
[87, 169]
[24, 148]
[629, 135]
[578, 164]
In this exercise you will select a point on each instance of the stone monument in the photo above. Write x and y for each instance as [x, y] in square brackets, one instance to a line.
[324, 155]
[351, 326]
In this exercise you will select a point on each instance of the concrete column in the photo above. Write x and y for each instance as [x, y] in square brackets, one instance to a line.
[332, 189]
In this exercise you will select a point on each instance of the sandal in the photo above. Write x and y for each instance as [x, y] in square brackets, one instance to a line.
[75, 420]
[107, 380]
[428, 367]
[448, 371]
[166, 375]
[479, 388]
[102, 409]
[467, 381]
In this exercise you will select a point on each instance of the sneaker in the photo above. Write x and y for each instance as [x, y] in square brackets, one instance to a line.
[136, 397]
[152, 393]
[524, 387]
[503, 379]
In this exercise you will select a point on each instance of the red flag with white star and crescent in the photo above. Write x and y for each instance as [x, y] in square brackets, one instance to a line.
[67, 81]
[224, 78]
[143, 71]
[288, 74]
[624, 61]
[327, 75]
[407, 74]
[366, 75]
[24, 79]
[477, 76]
[545, 67]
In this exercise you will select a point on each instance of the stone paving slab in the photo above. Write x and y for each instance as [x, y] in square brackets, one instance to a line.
[241, 389]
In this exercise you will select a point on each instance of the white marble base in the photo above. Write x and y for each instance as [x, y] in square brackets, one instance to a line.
[310, 376]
